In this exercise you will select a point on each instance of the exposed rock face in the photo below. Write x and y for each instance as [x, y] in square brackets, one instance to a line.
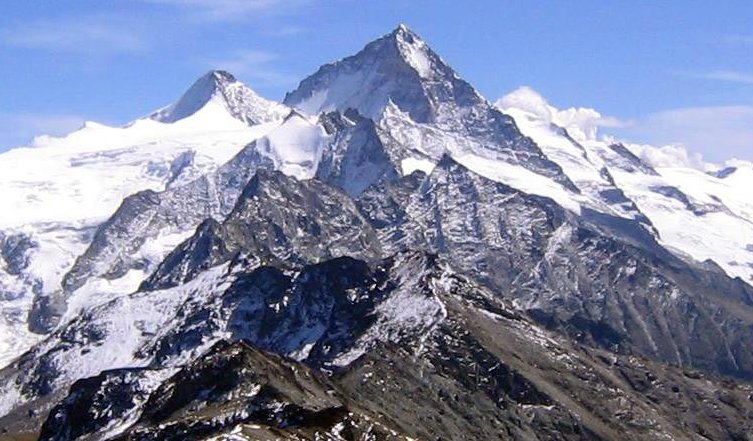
[234, 391]
[278, 217]
[46, 311]
[328, 313]
[357, 157]
[14, 252]
[478, 361]
[97, 403]
[602, 280]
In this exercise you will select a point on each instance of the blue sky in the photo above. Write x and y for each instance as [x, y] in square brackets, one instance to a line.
[677, 71]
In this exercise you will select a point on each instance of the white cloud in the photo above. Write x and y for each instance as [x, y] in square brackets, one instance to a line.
[687, 135]
[727, 75]
[720, 133]
[669, 156]
[526, 99]
[20, 129]
[580, 122]
[255, 66]
[83, 35]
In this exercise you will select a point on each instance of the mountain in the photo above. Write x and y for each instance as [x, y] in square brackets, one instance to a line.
[706, 216]
[402, 334]
[62, 189]
[260, 395]
[148, 224]
[401, 84]
[386, 255]
[403, 70]
[602, 280]
[220, 88]
[333, 313]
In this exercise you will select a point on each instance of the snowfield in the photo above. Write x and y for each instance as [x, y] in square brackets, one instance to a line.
[58, 191]
[704, 214]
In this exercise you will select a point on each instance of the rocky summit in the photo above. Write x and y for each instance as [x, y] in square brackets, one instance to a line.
[385, 255]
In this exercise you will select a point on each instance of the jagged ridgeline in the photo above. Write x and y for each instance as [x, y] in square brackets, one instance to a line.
[383, 256]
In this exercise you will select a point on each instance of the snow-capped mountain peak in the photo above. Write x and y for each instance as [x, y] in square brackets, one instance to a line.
[219, 87]
[398, 67]
[414, 50]
[63, 188]
[413, 96]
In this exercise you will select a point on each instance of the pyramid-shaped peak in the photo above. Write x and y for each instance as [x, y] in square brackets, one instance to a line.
[401, 42]
[202, 91]
[403, 32]
[398, 68]
[221, 87]
[211, 83]
[221, 75]
[402, 27]
[214, 79]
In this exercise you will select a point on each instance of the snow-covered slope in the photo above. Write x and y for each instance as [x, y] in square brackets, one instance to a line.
[295, 147]
[58, 191]
[563, 145]
[223, 89]
[702, 214]
[84, 175]
[697, 214]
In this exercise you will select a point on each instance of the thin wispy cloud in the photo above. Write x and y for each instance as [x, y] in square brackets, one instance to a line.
[727, 75]
[739, 40]
[721, 132]
[82, 35]
[284, 31]
[232, 10]
[254, 66]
